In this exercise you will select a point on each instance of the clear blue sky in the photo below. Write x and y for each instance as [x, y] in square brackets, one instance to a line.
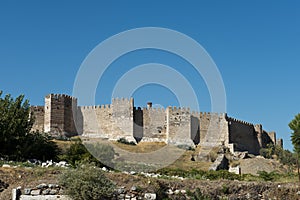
[255, 44]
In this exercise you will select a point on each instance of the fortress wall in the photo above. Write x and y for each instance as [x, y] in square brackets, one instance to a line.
[47, 117]
[122, 115]
[179, 126]
[268, 138]
[154, 125]
[213, 129]
[97, 121]
[279, 142]
[138, 119]
[109, 121]
[54, 114]
[38, 114]
[243, 136]
[70, 112]
[104, 120]
[195, 127]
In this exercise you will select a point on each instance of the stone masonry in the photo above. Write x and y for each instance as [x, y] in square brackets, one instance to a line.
[174, 125]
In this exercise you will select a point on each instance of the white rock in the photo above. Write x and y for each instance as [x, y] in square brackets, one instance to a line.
[170, 192]
[150, 196]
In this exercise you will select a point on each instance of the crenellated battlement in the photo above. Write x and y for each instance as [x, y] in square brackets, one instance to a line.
[212, 114]
[195, 114]
[240, 121]
[37, 108]
[121, 100]
[178, 109]
[152, 109]
[98, 107]
[176, 125]
[60, 96]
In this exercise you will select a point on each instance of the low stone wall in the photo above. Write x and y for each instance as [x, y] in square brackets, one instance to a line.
[40, 192]
[54, 192]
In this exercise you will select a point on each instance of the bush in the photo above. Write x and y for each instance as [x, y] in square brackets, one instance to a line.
[78, 153]
[87, 182]
[285, 156]
[124, 141]
[199, 174]
[272, 176]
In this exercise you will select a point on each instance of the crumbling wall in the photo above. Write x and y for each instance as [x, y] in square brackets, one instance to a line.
[243, 136]
[154, 125]
[122, 116]
[213, 129]
[38, 114]
[179, 126]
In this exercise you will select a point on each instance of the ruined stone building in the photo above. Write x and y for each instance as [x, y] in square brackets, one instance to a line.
[61, 116]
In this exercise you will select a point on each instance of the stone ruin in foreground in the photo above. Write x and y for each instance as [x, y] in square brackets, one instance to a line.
[172, 125]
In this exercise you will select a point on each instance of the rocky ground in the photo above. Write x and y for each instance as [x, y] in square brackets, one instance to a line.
[163, 188]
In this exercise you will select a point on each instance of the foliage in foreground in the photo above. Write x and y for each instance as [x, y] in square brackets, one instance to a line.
[87, 182]
[79, 152]
[295, 127]
[200, 174]
[16, 141]
[223, 174]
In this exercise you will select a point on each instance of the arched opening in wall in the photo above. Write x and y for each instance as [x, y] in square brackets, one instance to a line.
[195, 130]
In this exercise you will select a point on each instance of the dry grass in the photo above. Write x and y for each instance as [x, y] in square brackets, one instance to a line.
[142, 147]
[185, 161]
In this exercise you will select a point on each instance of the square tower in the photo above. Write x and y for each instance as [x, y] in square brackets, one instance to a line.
[60, 110]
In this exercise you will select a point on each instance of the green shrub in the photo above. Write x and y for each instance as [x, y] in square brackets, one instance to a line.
[78, 153]
[87, 182]
[124, 141]
[272, 176]
[285, 156]
[200, 174]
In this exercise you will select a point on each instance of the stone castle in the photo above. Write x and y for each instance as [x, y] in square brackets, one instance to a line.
[62, 116]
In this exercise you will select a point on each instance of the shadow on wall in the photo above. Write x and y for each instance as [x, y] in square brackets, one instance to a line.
[138, 130]
[195, 130]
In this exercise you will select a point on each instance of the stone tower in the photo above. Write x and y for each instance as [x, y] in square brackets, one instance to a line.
[59, 110]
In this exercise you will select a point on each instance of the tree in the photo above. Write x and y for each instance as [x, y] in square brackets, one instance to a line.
[39, 146]
[15, 124]
[16, 141]
[295, 127]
